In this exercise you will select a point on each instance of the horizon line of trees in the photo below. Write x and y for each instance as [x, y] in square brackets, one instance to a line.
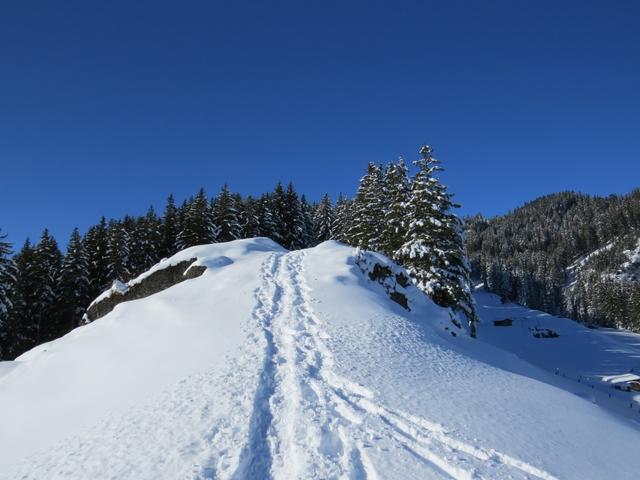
[44, 293]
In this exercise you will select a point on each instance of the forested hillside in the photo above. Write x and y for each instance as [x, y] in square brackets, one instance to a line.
[44, 292]
[566, 253]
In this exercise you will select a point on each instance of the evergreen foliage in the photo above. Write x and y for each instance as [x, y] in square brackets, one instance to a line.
[44, 294]
[395, 216]
[367, 214]
[560, 253]
[433, 248]
[225, 216]
[323, 220]
[169, 229]
[197, 225]
[74, 283]
[45, 306]
[7, 287]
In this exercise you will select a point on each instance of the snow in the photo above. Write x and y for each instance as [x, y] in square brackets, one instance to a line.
[581, 360]
[287, 365]
[625, 377]
[575, 268]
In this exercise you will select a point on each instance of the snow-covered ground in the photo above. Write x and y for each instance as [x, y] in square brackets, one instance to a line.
[579, 360]
[295, 365]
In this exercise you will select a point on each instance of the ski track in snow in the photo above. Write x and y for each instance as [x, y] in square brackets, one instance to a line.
[281, 412]
[324, 426]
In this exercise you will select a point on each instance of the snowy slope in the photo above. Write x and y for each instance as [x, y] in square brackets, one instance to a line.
[579, 360]
[292, 365]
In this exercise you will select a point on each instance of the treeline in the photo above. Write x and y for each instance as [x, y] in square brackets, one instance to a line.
[44, 294]
[537, 256]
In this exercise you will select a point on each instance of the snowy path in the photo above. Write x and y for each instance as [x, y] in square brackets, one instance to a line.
[308, 422]
[284, 402]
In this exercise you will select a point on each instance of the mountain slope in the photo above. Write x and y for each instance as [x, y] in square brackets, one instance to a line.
[532, 254]
[291, 365]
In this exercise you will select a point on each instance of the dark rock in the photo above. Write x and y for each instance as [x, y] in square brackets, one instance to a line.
[402, 280]
[400, 299]
[380, 272]
[156, 282]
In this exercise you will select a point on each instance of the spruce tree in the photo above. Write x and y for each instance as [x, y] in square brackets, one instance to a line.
[306, 217]
[74, 282]
[96, 242]
[145, 242]
[267, 218]
[433, 251]
[278, 210]
[197, 225]
[368, 211]
[21, 330]
[342, 219]
[394, 225]
[7, 289]
[7, 276]
[249, 218]
[118, 252]
[169, 229]
[293, 220]
[46, 271]
[225, 216]
[323, 220]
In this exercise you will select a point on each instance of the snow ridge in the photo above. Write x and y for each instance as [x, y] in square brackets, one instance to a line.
[279, 404]
[309, 422]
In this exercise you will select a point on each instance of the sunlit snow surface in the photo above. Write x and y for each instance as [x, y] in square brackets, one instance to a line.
[294, 365]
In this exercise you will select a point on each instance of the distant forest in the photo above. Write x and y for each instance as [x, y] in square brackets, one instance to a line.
[568, 254]
[44, 293]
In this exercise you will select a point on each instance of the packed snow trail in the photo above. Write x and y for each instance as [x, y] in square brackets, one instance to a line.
[310, 423]
[292, 365]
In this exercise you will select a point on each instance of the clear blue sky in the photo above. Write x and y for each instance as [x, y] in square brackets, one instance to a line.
[106, 107]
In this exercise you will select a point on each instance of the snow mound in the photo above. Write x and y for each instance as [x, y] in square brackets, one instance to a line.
[292, 365]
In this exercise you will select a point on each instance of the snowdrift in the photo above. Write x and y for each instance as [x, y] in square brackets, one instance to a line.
[286, 365]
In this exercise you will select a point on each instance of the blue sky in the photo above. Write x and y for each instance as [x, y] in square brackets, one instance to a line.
[106, 107]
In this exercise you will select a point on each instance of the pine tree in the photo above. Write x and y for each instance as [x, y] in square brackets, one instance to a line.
[342, 220]
[96, 243]
[394, 225]
[433, 251]
[268, 226]
[323, 220]
[118, 252]
[225, 216]
[306, 217]
[7, 276]
[21, 327]
[198, 226]
[7, 289]
[46, 269]
[169, 229]
[145, 242]
[293, 220]
[278, 205]
[368, 211]
[249, 218]
[74, 282]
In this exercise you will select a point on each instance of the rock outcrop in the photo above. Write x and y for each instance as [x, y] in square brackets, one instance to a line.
[155, 282]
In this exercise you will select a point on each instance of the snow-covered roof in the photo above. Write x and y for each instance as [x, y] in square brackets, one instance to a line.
[625, 377]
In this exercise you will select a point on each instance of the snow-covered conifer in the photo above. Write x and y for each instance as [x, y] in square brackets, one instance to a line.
[323, 220]
[368, 211]
[397, 197]
[433, 251]
[74, 283]
[225, 216]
